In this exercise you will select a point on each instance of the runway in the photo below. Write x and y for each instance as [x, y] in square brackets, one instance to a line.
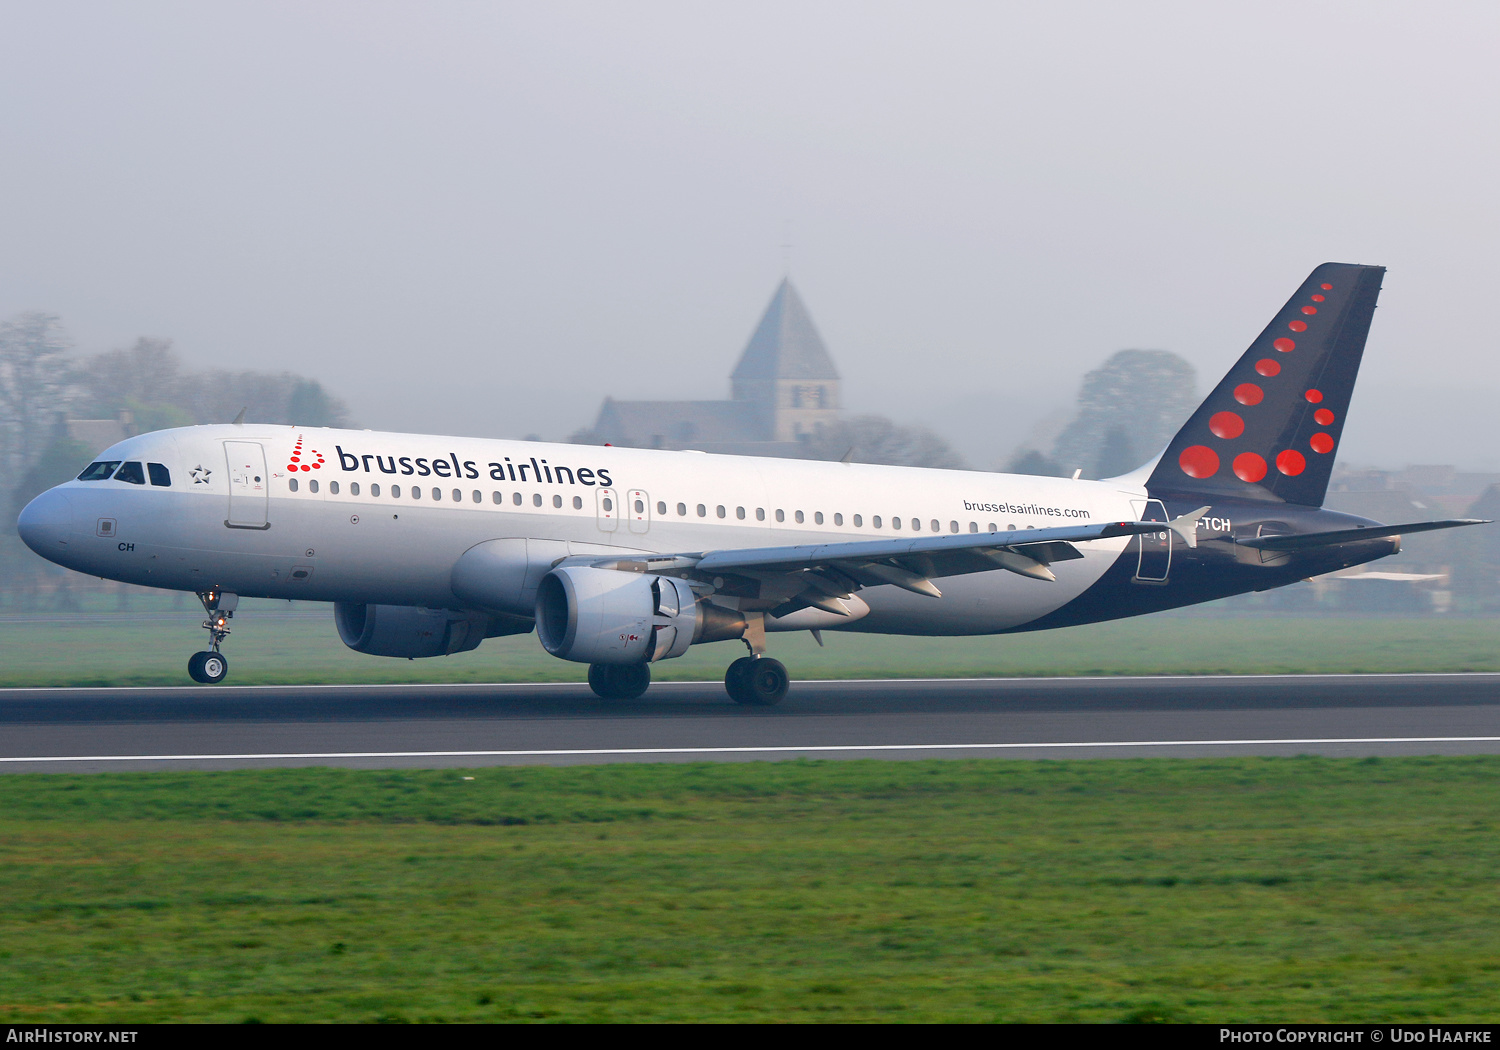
[83, 730]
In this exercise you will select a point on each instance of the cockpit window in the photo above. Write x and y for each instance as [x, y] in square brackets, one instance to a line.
[99, 471]
[131, 472]
[161, 477]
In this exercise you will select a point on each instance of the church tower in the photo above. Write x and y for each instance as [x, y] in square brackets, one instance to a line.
[786, 373]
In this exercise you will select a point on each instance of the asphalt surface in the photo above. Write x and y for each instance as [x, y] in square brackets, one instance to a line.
[228, 727]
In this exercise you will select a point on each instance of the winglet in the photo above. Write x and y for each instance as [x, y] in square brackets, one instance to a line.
[239, 420]
[1186, 526]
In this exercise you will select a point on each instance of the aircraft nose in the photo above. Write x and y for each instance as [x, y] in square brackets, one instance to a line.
[46, 523]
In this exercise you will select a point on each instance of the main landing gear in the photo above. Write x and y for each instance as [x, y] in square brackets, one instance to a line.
[756, 680]
[210, 667]
[619, 681]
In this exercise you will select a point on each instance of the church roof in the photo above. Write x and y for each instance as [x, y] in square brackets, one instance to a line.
[785, 344]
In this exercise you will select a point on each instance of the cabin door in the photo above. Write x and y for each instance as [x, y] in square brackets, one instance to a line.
[1154, 561]
[249, 490]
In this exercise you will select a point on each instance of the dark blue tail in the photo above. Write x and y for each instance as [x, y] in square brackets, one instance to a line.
[1271, 428]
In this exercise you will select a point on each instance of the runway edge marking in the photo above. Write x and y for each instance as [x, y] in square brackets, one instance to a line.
[778, 749]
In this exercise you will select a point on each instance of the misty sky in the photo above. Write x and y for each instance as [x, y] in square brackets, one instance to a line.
[482, 218]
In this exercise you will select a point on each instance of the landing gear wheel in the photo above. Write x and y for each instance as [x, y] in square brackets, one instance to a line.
[619, 681]
[208, 668]
[756, 680]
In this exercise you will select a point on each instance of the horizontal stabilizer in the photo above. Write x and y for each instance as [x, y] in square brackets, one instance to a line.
[1313, 540]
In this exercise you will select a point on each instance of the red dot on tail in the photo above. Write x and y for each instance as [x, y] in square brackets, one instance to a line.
[1227, 425]
[1321, 443]
[1199, 461]
[1324, 417]
[1266, 367]
[1309, 310]
[1314, 396]
[1291, 462]
[1298, 326]
[1248, 394]
[1326, 287]
[1285, 345]
[1249, 467]
[1317, 298]
[292, 467]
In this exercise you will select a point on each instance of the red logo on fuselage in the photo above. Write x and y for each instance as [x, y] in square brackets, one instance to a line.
[312, 459]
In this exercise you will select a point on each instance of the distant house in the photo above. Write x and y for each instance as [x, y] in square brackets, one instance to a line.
[783, 391]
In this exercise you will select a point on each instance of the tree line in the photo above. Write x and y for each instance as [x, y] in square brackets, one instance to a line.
[44, 387]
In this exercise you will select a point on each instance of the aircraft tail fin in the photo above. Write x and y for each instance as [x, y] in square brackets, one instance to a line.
[1270, 429]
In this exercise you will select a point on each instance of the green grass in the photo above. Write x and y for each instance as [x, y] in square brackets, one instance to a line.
[1305, 889]
[271, 645]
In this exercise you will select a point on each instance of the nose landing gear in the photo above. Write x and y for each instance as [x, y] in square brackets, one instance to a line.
[210, 667]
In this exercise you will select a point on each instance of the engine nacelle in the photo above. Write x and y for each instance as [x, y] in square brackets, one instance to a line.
[606, 616]
[406, 631]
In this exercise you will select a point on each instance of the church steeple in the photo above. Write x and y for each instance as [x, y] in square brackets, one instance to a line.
[786, 371]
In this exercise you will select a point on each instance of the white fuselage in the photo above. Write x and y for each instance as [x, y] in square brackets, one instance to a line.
[361, 516]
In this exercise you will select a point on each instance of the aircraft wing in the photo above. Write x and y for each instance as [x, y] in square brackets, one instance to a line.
[820, 575]
[1311, 540]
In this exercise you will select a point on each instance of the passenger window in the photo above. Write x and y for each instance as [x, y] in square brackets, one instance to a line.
[557, 501]
[495, 497]
[292, 484]
[375, 488]
[780, 515]
[702, 511]
[416, 493]
[682, 510]
[937, 526]
[515, 498]
[973, 526]
[760, 513]
[609, 504]
[333, 487]
[312, 486]
[1008, 528]
[953, 526]
[458, 495]
[895, 523]
[739, 512]
[354, 488]
[479, 497]
[437, 494]
[661, 508]
[719, 510]
[536, 499]
[858, 521]
[161, 477]
[577, 502]
[875, 521]
[799, 517]
[640, 507]
[838, 519]
[99, 471]
[131, 472]
[818, 517]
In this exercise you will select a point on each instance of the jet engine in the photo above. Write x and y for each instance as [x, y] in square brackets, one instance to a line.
[606, 616]
[406, 631]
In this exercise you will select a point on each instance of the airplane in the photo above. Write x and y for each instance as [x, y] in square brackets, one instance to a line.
[620, 558]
